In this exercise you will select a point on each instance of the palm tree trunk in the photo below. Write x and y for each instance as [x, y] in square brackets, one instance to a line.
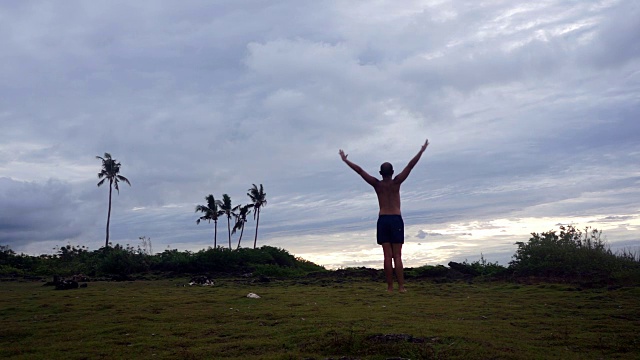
[106, 242]
[215, 234]
[229, 230]
[255, 240]
[240, 238]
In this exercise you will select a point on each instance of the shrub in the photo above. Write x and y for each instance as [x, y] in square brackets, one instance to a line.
[250, 257]
[215, 260]
[430, 271]
[10, 270]
[277, 271]
[123, 261]
[6, 254]
[173, 260]
[281, 257]
[571, 253]
[308, 266]
[489, 269]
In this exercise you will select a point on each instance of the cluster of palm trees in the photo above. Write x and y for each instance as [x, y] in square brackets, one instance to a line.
[214, 209]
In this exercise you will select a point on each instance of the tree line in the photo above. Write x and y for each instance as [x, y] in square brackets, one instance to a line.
[570, 255]
[122, 262]
[211, 211]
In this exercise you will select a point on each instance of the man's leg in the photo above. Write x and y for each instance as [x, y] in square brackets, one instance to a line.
[388, 267]
[396, 250]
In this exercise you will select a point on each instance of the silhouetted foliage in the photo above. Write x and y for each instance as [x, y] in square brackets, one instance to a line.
[427, 271]
[124, 261]
[486, 268]
[571, 253]
[211, 212]
[216, 208]
[241, 219]
[175, 261]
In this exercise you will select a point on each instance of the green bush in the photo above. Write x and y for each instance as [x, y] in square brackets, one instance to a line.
[223, 260]
[215, 260]
[308, 266]
[175, 261]
[281, 257]
[248, 258]
[8, 270]
[485, 268]
[6, 254]
[430, 271]
[122, 261]
[571, 253]
[270, 270]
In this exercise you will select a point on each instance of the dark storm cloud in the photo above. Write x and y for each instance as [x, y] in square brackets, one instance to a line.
[32, 212]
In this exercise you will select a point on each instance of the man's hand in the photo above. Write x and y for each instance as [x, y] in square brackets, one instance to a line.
[426, 143]
[343, 155]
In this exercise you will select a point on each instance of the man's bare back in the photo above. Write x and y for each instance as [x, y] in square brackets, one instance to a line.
[388, 193]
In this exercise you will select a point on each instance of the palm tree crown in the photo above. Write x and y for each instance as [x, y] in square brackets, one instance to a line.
[110, 171]
[210, 212]
[241, 219]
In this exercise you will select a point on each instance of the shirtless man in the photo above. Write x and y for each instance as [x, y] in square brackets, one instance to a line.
[390, 228]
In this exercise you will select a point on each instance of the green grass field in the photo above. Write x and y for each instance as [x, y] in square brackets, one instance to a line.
[318, 319]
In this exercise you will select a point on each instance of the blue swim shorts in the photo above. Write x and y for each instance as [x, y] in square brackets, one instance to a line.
[390, 229]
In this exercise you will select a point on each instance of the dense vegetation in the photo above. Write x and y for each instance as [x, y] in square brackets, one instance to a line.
[126, 261]
[574, 254]
[570, 254]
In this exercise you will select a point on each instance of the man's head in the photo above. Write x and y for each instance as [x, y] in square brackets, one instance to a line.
[386, 169]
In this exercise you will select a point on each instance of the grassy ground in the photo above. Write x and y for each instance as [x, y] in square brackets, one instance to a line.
[318, 319]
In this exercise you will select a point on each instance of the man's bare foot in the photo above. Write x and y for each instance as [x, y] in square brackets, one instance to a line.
[402, 290]
[389, 290]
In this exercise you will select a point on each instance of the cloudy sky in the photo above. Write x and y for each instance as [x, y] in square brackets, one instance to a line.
[532, 110]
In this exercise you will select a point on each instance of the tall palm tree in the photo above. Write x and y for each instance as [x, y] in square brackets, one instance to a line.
[211, 212]
[110, 171]
[241, 219]
[259, 199]
[227, 209]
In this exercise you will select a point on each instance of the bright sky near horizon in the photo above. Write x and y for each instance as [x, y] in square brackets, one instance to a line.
[532, 110]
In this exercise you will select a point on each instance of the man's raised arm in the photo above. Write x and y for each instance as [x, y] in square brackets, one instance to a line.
[405, 172]
[368, 178]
